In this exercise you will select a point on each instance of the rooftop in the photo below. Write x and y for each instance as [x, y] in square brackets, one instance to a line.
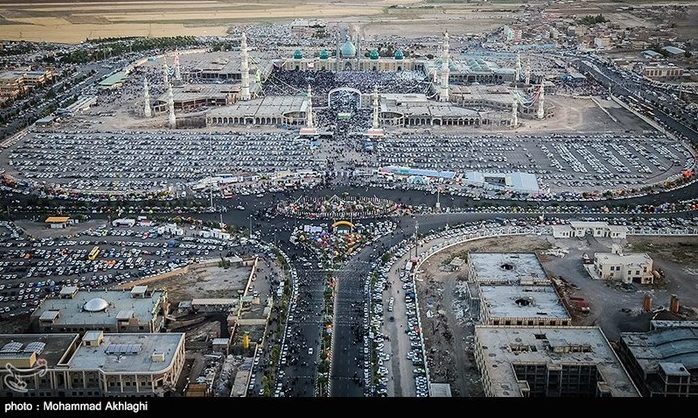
[53, 348]
[128, 353]
[72, 310]
[508, 268]
[523, 302]
[552, 347]
[655, 348]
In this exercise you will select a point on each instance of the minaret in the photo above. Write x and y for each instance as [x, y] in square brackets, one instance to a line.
[170, 103]
[528, 72]
[309, 110]
[517, 70]
[375, 107]
[338, 54]
[166, 71]
[443, 94]
[541, 102]
[309, 128]
[146, 109]
[375, 130]
[514, 115]
[177, 73]
[244, 69]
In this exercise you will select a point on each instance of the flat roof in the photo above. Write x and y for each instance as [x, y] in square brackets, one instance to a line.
[539, 302]
[136, 358]
[506, 267]
[215, 301]
[72, 308]
[552, 347]
[114, 79]
[54, 349]
[57, 219]
[265, 106]
[626, 259]
[588, 224]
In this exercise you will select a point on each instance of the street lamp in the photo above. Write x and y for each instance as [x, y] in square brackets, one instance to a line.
[250, 217]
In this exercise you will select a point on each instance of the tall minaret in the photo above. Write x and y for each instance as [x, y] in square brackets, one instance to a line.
[528, 72]
[309, 111]
[170, 103]
[541, 102]
[376, 109]
[245, 69]
[177, 72]
[339, 46]
[517, 70]
[147, 111]
[166, 71]
[514, 115]
[443, 94]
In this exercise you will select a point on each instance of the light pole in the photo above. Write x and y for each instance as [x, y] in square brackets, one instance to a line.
[416, 238]
[250, 217]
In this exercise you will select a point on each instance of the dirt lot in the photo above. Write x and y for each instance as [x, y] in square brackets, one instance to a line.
[203, 282]
[448, 328]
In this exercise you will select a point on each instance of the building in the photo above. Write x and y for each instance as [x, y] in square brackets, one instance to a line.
[57, 222]
[309, 28]
[506, 269]
[140, 310]
[579, 229]
[521, 306]
[215, 304]
[190, 97]
[663, 361]
[14, 83]
[97, 365]
[549, 362]
[664, 72]
[628, 268]
[113, 81]
[674, 51]
[517, 182]
[650, 54]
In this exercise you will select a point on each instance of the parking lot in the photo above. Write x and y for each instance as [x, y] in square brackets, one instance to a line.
[147, 161]
[33, 267]
[563, 163]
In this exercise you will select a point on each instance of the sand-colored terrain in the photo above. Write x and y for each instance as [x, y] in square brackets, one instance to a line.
[74, 23]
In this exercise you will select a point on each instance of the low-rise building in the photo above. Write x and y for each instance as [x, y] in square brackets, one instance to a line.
[663, 360]
[628, 268]
[578, 229]
[96, 365]
[506, 268]
[57, 222]
[140, 310]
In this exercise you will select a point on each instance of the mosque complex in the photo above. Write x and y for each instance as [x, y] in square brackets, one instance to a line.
[251, 87]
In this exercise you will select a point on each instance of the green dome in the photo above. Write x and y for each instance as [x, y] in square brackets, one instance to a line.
[323, 55]
[374, 55]
[348, 50]
[398, 55]
[297, 54]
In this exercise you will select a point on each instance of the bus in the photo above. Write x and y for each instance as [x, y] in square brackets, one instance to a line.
[93, 254]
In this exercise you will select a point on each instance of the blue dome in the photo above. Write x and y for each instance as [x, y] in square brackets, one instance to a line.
[297, 54]
[374, 55]
[398, 55]
[323, 55]
[348, 50]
